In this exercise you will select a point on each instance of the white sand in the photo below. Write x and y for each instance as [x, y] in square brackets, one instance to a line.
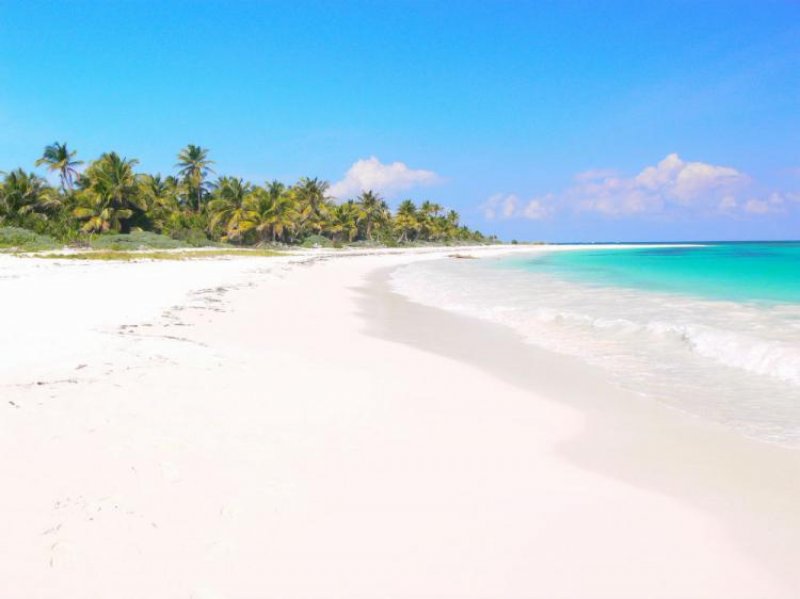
[276, 436]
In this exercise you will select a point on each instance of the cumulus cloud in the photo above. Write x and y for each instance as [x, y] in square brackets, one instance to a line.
[672, 181]
[372, 174]
[536, 210]
[500, 206]
[727, 203]
[785, 197]
[754, 206]
[774, 203]
[503, 206]
[671, 188]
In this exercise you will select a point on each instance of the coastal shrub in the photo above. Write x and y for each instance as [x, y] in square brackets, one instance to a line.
[24, 239]
[136, 240]
[313, 241]
[194, 238]
[365, 243]
[143, 255]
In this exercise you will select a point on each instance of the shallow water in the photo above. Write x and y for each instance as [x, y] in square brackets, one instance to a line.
[712, 330]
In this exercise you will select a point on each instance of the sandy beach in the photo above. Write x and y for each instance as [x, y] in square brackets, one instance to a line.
[290, 427]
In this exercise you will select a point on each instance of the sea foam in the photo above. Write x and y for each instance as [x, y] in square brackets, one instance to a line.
[735, 363]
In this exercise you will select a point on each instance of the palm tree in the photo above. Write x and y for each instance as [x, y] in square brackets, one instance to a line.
[100, 217]
[164, 190]
[275, 189]
[428, 216]
[406, 220]
[372, 210]
[230, 208]
[314, 203]
[57, 157]
[344, 221]
[112, 176]
[314, 192]
[429, 209]
[452, 218]
[109, 194]
[160, 198]
[26, 194]
[274, 211]
[194, 167]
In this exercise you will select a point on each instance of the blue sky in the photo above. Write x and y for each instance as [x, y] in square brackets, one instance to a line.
[536, 120]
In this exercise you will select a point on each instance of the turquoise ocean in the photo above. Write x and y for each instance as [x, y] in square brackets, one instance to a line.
[712, 329]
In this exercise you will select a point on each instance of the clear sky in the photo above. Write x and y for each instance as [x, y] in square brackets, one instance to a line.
[536, 120]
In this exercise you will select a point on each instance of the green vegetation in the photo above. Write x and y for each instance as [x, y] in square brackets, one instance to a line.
[129, 255]
[15, 237]
[316, 241]
[137, 240]
[111, 206]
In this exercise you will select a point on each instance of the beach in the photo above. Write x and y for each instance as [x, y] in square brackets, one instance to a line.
[292, 427]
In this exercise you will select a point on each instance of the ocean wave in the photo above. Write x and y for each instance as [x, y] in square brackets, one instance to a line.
[759, 356]
[674, 347]
[728, 348]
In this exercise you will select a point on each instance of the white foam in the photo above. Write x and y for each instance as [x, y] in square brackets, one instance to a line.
[734, 362]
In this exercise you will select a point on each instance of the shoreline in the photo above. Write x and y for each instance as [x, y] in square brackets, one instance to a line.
[696, 460]
[243, 440]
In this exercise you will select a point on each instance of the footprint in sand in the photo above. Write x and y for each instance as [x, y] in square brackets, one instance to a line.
[64, 554]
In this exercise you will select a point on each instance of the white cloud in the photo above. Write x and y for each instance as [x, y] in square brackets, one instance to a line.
[781, 198]
[696, 178]
[505, 206]
[671, 181]
[774, 202]
[371, 173]
[672, 188]
[727, 203]
[660, 175]
[538, 208]
[757, 206]
[615, 197]
[500, 206]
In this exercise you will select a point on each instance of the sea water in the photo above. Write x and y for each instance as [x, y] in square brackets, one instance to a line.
[712, 329]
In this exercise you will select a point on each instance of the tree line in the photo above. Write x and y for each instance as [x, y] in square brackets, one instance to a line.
[109, 195]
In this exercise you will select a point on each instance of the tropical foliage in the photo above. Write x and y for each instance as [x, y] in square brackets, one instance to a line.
[109, 196]
[58, 158]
